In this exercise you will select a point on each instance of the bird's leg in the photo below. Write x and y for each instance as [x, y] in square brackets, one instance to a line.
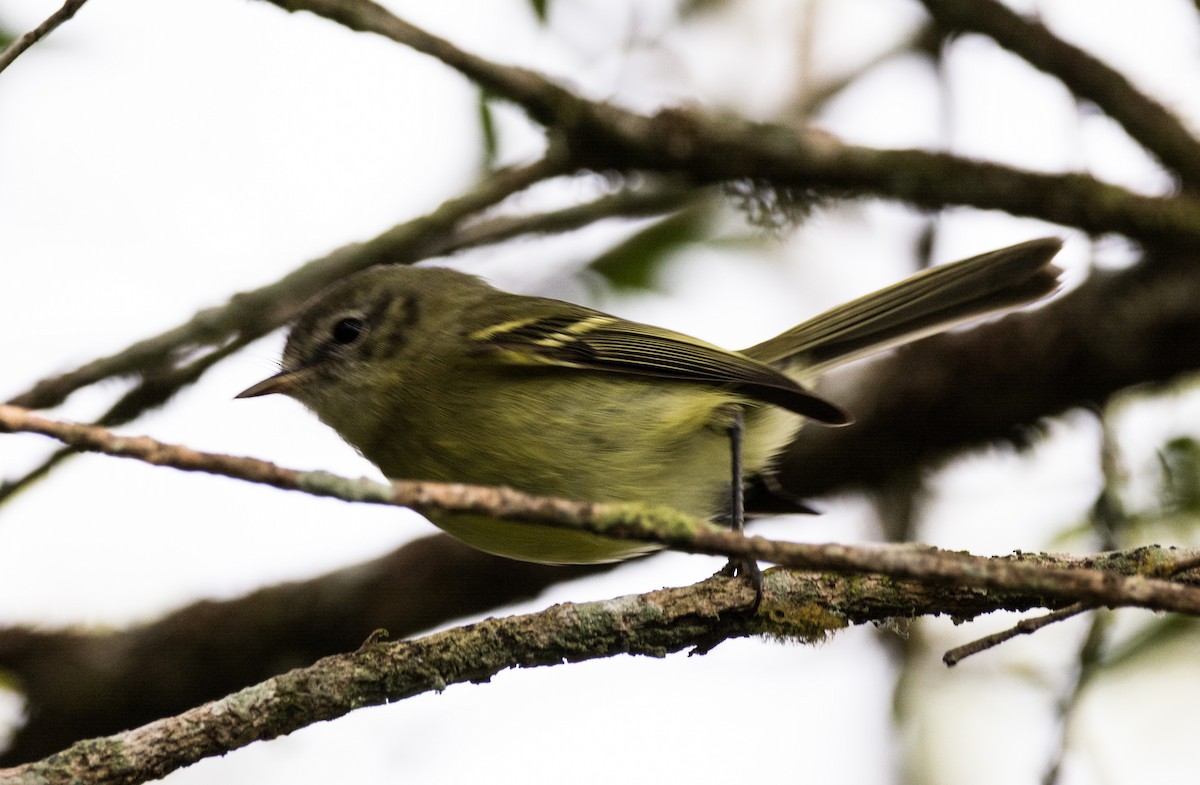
[737, 493]
[737, 507]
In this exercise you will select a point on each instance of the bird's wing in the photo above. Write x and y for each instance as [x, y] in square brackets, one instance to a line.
[584, 339]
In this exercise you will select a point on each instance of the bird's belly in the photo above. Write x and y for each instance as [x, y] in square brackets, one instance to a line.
[537, 543]
[662, 443]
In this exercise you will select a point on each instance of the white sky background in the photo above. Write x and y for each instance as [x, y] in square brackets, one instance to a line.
[157, 155]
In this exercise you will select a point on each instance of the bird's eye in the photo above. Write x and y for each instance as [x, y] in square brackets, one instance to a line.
[347, 330]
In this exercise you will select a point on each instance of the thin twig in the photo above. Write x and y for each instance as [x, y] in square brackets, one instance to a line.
[1023, 627]
[17, 47]
[152, 391]
[662, 526]
[252, 314]
[628, 203]
[1184, 565]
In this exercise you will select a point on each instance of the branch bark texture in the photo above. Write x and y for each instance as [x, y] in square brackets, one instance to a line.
[796, 605]
[644, 523]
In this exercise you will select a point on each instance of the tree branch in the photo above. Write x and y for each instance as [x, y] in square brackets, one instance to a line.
[382, 673]
[187, 658]
[18, 47]
[656, 200]
[656, 525]
[710, 148]
[544, 101]
[1154, 126]
[796, 606]
[154, 389]
[1023, 627]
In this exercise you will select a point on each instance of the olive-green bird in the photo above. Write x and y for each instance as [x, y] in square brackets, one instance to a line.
[435, 375]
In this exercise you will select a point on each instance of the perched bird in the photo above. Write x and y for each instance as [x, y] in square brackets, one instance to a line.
[435, 375]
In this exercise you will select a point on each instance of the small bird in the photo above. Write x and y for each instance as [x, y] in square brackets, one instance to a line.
[433, 374]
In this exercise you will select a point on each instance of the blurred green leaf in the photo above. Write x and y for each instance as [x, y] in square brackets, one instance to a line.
[541, 9]
[1180, 459]
[697, 7]
[632, 264]
[1151, 640]
[487, 127]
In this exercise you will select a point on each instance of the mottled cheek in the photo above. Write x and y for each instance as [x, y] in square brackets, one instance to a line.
[392, 323]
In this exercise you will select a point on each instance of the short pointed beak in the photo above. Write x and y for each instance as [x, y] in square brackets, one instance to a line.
[283, 382]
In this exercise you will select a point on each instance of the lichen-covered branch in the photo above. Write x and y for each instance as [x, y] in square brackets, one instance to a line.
[644, 523]
[653, 625]
[796, 606]
[125, 678]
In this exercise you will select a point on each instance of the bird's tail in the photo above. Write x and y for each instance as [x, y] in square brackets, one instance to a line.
[925, 303]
